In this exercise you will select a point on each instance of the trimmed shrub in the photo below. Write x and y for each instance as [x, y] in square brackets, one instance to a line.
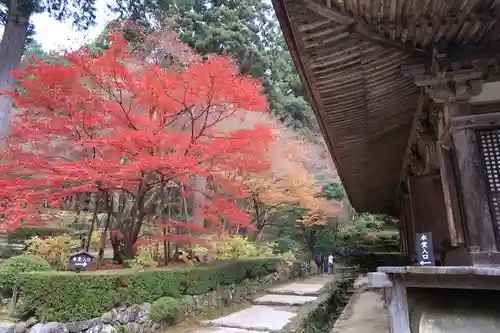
[12, 267]
[165, 311]
[68, 296]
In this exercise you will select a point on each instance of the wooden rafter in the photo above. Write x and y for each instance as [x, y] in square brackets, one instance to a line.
[358, 27]
[304, 70]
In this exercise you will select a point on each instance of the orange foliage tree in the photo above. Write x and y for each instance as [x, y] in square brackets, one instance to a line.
[289, 180]
[122, 129]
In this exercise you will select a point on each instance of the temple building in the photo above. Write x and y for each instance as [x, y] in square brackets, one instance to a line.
[407, 94]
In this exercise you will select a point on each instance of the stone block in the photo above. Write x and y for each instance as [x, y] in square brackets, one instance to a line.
[269, 318]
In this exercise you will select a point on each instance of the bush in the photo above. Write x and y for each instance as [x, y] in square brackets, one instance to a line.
[370, 261]
[12, 267]
[241, 247]
[143, 259]
[8, 251]
[288, 257]
[53, 249]
[68, 296]
[165, 311]
[22, 234]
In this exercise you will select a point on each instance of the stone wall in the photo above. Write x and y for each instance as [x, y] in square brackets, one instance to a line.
[135, 319]
[225, 295]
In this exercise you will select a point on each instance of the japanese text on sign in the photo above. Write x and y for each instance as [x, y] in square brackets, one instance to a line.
[425, 249]
[80, 259]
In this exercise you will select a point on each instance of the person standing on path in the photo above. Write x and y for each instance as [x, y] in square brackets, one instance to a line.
[319, 260]
[330, 264]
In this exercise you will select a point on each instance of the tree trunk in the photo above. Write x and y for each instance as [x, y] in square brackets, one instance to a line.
[310, 238]
[96, 199]
[102, 242]
[11, 51]
[200, 186]
[128, 249]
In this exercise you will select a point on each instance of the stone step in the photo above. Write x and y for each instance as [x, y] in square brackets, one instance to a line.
[283, 299]
[226, 330]
[259, 318]
[298, 289]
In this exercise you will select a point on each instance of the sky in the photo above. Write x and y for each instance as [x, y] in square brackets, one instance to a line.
[54, 35]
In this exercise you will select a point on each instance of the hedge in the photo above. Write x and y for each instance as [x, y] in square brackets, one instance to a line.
[69, 296]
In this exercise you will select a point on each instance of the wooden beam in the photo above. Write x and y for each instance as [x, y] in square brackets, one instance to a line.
[484, 120]
[422, 99]
[474, 52]
[359, 28]
[423, 80]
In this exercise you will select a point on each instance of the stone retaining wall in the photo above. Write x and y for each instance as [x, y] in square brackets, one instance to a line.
[135, 319]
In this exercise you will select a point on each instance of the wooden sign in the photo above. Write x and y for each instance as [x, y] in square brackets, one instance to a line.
[80, 260]
[425, 249]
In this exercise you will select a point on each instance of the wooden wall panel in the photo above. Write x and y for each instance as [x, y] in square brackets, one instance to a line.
[428, 208]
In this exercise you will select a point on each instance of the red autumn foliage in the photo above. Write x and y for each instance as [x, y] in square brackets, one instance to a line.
[108, 124]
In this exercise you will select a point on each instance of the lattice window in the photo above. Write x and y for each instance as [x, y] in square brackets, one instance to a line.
[489, 143]
[490, 148]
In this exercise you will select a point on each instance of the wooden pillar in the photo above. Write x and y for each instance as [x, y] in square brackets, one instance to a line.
[409, 227]
[448, 174]
[457, 253]
[481, 228]
[481, 234]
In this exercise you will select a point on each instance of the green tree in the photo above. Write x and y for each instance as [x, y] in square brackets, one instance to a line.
[333, 191]
[34, 49]
[245, 30]
[248, 31]
[306, 240]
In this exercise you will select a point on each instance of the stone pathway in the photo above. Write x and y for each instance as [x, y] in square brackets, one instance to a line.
[364, 313]
[272, 311]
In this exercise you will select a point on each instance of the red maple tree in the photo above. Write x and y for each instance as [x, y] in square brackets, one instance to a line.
[123, 130]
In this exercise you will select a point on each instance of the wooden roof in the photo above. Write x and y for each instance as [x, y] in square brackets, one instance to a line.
[352, 55]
